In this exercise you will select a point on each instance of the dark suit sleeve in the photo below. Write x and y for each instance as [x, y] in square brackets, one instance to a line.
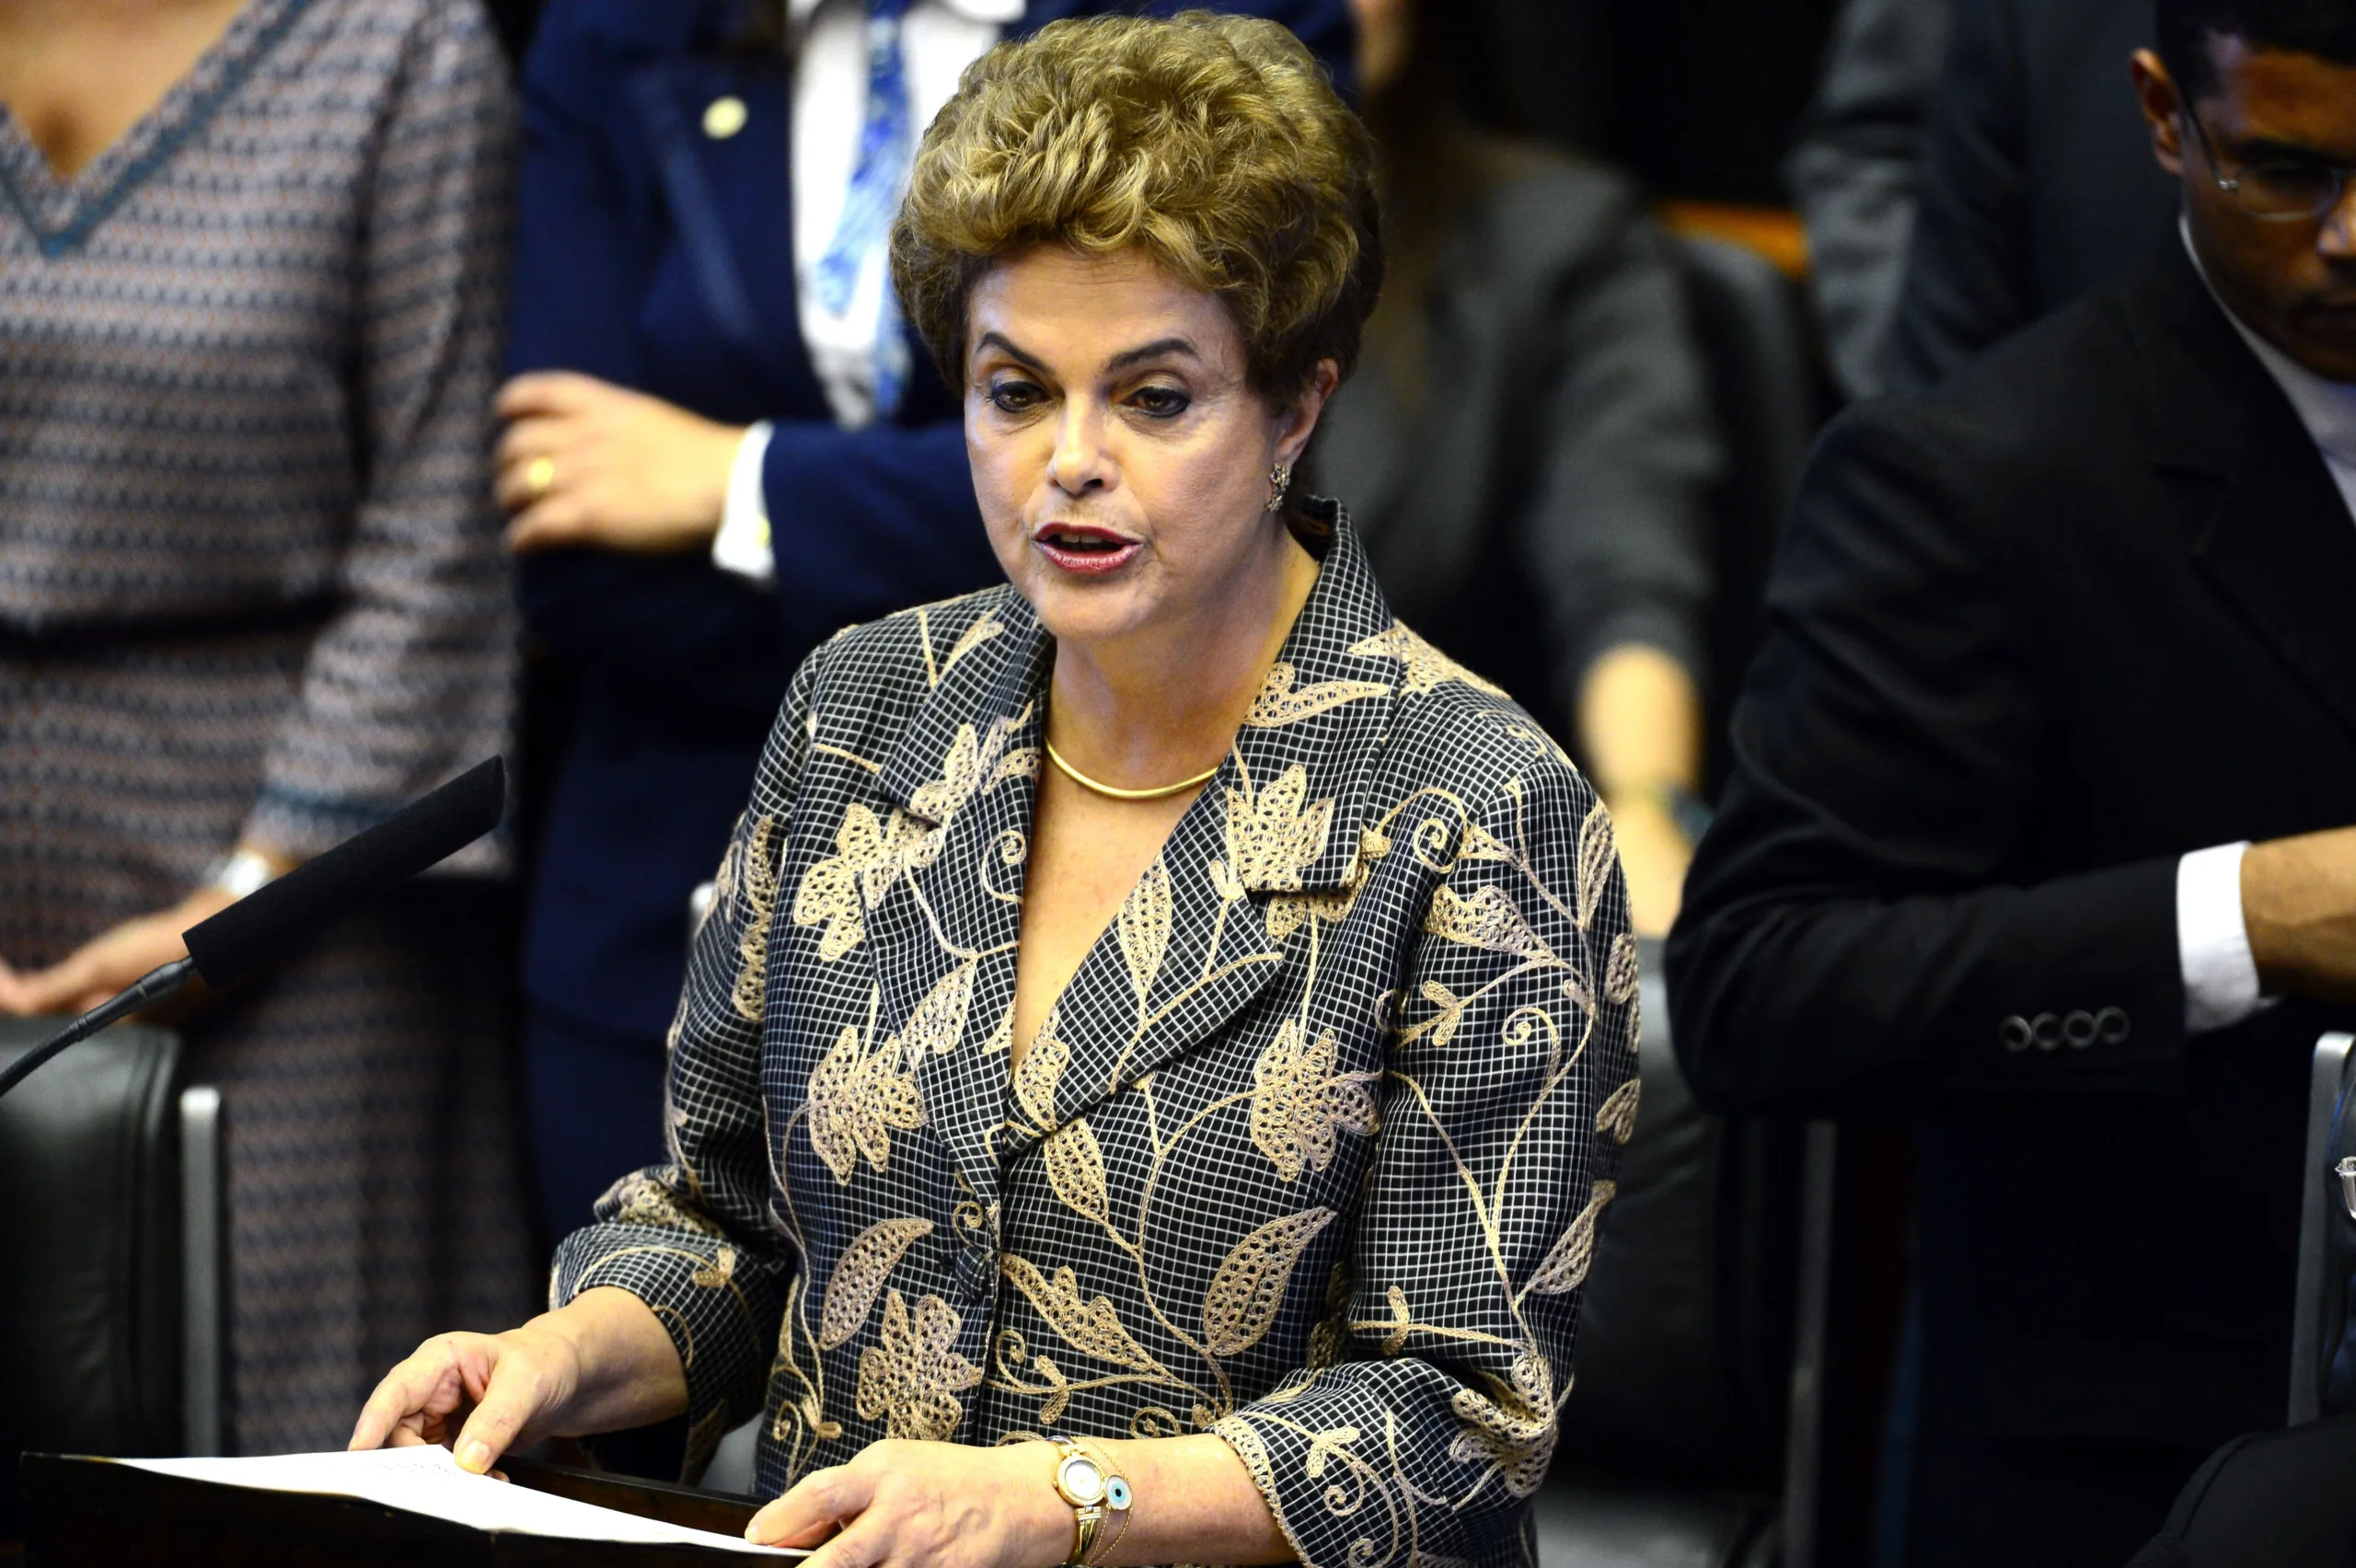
[1968, 278]
[1856, 935]
[865, 521]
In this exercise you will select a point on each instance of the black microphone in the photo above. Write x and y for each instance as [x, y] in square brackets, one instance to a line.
[283, 913]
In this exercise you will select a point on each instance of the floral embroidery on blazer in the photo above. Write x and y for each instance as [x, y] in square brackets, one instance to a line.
[1308, 1154]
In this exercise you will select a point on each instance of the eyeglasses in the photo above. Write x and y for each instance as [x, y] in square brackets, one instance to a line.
[2277, 193]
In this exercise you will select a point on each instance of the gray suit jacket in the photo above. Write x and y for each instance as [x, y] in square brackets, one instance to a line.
[1856, 174]
[1541, 497]
[2037, 183]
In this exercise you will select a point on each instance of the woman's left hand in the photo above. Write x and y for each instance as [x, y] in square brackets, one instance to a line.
[108, 962]
[587, 463]
[908, 1504]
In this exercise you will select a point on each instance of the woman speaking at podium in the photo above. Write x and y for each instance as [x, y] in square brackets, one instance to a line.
[1161, 1007]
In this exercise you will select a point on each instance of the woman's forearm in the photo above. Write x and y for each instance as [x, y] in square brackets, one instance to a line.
[921, 1502]
[1196, 1502]
[629, 1373]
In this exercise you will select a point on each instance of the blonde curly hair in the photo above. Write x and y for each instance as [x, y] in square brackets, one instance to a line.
[1213, 143]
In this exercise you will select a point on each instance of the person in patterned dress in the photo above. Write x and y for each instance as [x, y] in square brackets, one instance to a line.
[253, 598]
[1161, 1004]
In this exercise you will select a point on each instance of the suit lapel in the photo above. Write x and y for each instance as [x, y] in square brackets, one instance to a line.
[2277, 541]
[1270, 847]
[957, 791]
[1272, 850]
[2281, 548]
[740, 251]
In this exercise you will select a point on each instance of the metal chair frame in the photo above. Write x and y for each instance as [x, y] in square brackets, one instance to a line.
[2320, 1284]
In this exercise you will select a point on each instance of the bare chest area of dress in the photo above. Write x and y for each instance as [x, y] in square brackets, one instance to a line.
[1087, 856]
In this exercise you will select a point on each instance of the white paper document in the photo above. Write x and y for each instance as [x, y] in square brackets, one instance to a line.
[426, 1480]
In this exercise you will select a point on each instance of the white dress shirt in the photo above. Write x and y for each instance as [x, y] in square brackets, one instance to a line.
[2213, 940]
[937, 39]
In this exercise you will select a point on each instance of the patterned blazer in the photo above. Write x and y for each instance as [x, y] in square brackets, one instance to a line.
[1308, 1154]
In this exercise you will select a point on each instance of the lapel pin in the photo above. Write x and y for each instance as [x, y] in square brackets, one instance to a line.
[723, 118]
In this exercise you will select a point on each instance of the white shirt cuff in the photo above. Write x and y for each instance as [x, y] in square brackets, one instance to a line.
[2212, 942]
[742, 545]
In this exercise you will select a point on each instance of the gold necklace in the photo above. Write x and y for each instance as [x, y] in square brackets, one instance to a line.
[1085, 782]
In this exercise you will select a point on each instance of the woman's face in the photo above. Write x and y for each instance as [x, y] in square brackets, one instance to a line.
[1120, 457]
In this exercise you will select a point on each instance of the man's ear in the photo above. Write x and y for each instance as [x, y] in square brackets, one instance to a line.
[2162, 107]
[1301, 415]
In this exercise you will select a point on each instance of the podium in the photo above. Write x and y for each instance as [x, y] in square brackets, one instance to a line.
[92, 1513]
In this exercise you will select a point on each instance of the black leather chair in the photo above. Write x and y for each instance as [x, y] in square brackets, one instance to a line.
[111, 1260]
[2266, 1500]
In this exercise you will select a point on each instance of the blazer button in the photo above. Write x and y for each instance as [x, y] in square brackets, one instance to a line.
[978, 1275]
[2078, 1031]
[2046, 1031]
[2110, 1025]
[2014, 1033]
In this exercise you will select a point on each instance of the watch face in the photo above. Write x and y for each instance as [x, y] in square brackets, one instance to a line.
[1083, 1479]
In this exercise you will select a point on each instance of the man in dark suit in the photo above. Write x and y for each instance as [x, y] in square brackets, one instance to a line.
[2049, 646]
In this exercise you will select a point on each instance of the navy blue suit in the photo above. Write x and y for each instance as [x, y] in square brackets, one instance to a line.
[653, 256]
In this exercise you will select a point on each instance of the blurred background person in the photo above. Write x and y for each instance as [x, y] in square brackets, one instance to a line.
[253, 598]
[1528, 449]
[2038, 185]
[1857, 174]
[724, 444]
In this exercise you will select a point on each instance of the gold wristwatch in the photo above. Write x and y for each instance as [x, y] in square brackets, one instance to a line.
[1096, 1496]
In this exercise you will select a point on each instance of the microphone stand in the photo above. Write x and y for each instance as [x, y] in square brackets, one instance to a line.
[156, 985]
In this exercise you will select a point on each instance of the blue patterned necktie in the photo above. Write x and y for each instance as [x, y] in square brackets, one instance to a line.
[884, 148]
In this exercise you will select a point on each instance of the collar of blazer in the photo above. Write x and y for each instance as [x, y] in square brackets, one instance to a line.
[1325, 711]
[1279, 828]
[2276, 539]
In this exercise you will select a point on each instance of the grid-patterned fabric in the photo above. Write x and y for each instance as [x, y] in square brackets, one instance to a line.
[1308, 1155]
[250, 350]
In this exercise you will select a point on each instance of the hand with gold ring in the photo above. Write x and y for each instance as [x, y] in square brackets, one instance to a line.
[584, 463]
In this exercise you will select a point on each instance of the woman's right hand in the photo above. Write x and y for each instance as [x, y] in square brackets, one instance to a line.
[602, 1362]
[478, 1394]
